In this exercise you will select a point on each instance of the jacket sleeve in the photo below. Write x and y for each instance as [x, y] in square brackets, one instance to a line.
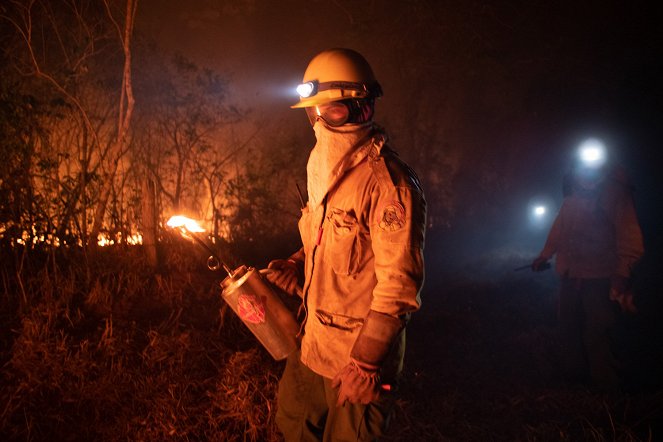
[628, 235]
[554, 235]
[397, 227]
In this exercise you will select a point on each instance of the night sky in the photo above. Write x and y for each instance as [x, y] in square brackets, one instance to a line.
[513, 87]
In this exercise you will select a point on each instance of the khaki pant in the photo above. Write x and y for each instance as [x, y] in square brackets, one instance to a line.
[587, 320]
[307, 409]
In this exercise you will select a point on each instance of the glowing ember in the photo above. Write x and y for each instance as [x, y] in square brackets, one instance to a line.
[182, 222]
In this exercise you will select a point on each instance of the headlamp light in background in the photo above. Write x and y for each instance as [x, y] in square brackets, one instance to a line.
[540, 213]
[592, 153]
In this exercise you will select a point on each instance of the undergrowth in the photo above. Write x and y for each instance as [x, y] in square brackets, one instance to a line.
[100, 347]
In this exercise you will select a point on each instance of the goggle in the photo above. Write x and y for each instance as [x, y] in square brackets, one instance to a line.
[335, 113]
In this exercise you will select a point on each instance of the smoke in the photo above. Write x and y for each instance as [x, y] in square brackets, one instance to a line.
[485, 256]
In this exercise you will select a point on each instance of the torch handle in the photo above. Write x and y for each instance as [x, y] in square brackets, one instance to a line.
[527, 266]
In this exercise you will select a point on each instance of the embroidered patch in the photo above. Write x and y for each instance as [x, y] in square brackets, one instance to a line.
[392, 217]
[251, 308]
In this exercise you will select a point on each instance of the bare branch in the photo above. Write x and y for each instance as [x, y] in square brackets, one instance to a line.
[26, 33]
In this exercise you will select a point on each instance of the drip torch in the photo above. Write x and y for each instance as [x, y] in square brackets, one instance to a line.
[250, 296]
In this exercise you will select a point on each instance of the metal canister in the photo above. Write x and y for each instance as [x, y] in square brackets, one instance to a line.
[260, 309]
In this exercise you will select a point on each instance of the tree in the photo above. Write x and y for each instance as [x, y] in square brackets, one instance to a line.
[68, 48]
[21, 133]
[188, 110]
[125, 111]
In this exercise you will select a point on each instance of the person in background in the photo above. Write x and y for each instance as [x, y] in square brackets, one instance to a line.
[361, 265]
[597, 241]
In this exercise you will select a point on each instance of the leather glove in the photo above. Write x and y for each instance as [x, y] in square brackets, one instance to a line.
[540, 264]
[284, 274]
[359, 381]
[357, 384]
[620, 293]
[618, 284]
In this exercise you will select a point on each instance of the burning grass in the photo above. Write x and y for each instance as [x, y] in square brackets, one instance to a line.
[101, 348]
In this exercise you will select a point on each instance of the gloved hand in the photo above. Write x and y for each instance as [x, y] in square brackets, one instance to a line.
[359, 381]
[284, 274]
[620, 293]
[540, 264]
[359, 384]
[618, 284]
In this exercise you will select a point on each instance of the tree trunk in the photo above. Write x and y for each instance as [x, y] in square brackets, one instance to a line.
[124, 118]
[149, 221]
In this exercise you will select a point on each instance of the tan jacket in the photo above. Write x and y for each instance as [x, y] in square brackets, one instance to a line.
[596, 233]
[363, 250]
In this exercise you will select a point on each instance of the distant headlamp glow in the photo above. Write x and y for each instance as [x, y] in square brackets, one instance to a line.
[539, 211]
[307, 89]
[592, 153]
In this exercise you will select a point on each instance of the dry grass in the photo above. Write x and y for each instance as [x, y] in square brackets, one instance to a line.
[100, 348]
[126, 356]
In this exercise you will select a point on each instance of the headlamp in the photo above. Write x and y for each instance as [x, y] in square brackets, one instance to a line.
[539, 211]
[592, 153]
[307, 89]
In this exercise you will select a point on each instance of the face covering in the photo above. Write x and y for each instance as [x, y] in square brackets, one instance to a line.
[326, 162]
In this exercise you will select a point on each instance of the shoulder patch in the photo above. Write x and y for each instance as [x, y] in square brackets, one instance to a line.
[391, 217]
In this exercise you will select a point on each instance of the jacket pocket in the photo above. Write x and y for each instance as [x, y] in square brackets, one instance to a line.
[340, 322]
[342, 249]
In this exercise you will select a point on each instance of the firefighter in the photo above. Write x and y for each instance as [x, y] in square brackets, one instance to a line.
[361, 265]
[597, 241]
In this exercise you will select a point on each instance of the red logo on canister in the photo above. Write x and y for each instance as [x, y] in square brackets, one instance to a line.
[251, 308]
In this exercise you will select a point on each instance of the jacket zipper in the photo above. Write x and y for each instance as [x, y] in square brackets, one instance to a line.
[318, 240]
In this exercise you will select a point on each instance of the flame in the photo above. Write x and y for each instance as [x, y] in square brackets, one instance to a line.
[105, 240]
[182, 222]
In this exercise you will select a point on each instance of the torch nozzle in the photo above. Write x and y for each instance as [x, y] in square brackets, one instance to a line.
[190, 229]
[214, 264]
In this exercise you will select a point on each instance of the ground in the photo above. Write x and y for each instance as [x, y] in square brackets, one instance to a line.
[111, 351]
